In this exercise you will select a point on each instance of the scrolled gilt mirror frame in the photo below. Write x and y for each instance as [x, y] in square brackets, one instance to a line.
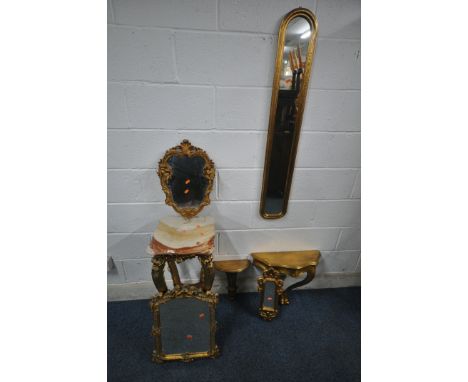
[299, 103]
[185, 148]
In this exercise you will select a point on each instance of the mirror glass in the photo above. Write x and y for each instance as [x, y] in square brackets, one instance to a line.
[285, 123]
[269, 295]
[185, 326]
[188, 183]
[296, 43]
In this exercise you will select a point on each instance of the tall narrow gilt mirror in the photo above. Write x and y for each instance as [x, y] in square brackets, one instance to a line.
[296, 47]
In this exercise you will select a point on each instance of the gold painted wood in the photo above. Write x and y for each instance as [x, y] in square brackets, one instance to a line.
[300, 103]
[273, 276]
[294, 260]
[231, 266]
[186, 292]
[163, 255]
[165, 173]
[278, 265]
[159, 261]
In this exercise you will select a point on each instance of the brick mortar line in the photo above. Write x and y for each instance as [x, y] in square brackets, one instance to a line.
[251, 230]
[127, 114]
[138, 83]
[239, 201]
[354, 184]
[241, 256]
[250, 201]
[193, 84]
[232, 131]
[242, 168]
[221, 31]
[218, 14]
[215, 107]
[192, 30]
[174, 57]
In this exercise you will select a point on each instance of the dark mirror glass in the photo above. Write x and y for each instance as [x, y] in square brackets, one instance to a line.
[269, 295]
[187, 184]
[185, 326]
[285, 130]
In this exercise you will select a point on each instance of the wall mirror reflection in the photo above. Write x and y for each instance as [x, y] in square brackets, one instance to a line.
[296, 46]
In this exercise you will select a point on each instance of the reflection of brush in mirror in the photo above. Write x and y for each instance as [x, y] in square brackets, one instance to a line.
[299, 55]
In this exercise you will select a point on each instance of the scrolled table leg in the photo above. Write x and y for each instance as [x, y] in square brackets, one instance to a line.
[157, 274]
[309, 277]
[283, 298]
[207, 272]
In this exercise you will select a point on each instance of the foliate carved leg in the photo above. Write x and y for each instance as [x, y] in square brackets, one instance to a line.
[157, 273]
[283, 299]
[207, 272]
[232, 284]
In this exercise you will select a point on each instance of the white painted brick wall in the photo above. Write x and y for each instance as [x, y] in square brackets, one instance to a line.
[202, 70]
[340, 18]
[263, 16]
[171, 110]
[308, 183]
[350, 238]
[224, 58]
[242, 108]
[189, 14]
[332, 110]
[337, 64]
[140, 54]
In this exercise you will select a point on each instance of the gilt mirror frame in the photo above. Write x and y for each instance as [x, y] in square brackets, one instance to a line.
[272, 276]
[210, 298]
[185, 149]
[300, 103]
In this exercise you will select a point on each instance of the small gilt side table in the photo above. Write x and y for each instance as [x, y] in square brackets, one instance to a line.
[231, 268]
[275, 267]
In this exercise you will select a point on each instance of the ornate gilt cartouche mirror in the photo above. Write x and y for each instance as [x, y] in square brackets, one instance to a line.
[296, 47]
[186, 173]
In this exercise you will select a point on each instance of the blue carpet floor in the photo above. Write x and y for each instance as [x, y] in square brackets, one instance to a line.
[315, 338]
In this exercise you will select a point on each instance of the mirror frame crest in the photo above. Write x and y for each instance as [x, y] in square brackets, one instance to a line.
[300, 103]
[185, 148]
